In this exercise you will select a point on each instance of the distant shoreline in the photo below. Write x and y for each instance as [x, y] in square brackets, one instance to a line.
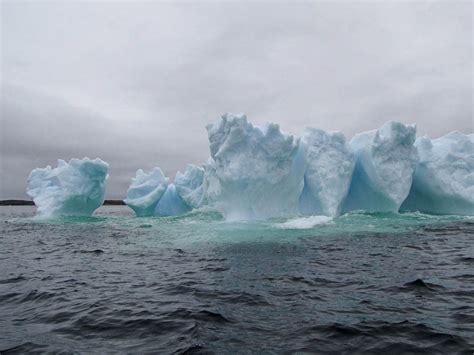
[31, 203]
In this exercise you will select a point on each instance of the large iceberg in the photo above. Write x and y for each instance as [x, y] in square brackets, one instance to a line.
[329, 168]
[385, 163]
[76, 188]
[444, 178]
[145, 191]
[256, 172]
[259, 172]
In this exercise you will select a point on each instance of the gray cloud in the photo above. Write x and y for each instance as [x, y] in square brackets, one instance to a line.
[136, 83]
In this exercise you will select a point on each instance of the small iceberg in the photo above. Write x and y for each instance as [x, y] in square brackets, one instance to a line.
[76, 188]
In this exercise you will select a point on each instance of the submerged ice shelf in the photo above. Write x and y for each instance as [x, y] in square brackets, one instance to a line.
[260, 172]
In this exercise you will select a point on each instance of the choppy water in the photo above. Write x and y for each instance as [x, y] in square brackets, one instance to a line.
[195, 284]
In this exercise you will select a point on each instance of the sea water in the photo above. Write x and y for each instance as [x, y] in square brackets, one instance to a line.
[361, 283]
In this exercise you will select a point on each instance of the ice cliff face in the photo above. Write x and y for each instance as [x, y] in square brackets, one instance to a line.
[385, 164]
[76, 188]
[255, 172]
[444, 178]
[329, 167]
[145, 192]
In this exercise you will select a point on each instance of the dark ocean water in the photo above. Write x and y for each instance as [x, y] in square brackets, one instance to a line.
[363, 283]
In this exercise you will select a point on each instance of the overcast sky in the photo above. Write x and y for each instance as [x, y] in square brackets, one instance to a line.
[136, 83]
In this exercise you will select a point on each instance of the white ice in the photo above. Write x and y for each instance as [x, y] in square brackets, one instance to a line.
[259, 172]
[385, 163]
[171, 204]
[152, 195]
[256, 172]
[329, 167]
[76, 188]
[145, 191]
[444, 178]
[189, 185]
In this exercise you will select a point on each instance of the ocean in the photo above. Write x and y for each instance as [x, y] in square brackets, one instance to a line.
[114, 283]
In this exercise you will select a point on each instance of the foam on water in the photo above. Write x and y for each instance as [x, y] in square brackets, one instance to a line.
[205, 225]
[305, 222]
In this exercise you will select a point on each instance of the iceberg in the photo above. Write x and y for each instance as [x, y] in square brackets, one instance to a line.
[259, 172]
[211, 188]
[385, 163]
[145, 191]
[171, 203]
[329, 168]
[152, 195]
[190, 187]
[255, 172]
[76, 188]
[444, 177]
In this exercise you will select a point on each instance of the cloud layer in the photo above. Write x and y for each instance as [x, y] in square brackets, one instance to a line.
[136, 83]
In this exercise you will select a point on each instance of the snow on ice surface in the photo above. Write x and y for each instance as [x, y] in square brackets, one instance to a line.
[329, 167]
[145, 191]
[255, 172]
[444, 178]
[385, 164]
[76, 188]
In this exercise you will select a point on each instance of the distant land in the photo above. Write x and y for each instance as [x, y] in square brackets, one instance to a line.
[31, 203]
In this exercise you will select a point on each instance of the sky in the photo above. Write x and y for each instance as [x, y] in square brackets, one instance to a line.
[135, 83]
